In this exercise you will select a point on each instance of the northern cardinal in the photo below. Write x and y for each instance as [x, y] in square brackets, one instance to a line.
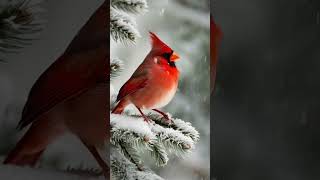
[154, 83]
[70, 96]
[215, 38]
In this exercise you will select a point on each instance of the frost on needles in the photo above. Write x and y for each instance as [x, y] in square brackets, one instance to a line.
[122, 24]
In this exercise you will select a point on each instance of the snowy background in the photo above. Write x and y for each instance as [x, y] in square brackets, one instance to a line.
[184, 26]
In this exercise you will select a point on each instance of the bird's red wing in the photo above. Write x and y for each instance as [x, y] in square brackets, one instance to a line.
[63, 80]
[82, 65]
[131, 86]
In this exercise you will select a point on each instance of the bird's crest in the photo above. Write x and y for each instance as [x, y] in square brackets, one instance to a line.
[158, 44]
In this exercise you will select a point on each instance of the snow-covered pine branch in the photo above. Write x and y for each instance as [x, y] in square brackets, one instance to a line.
[131, 6]
[116, 66]
[19, 22]
[122, 168]
[130, 133]
[184, 127]
[122, 26]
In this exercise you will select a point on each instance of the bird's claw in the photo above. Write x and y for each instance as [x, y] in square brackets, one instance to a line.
[147, 120]
[168, 120]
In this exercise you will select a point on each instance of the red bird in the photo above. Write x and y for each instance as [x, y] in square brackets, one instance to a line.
[154, 83]
[70, 96]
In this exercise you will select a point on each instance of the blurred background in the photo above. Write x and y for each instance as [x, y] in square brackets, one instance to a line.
[265, 110]
[184, 26]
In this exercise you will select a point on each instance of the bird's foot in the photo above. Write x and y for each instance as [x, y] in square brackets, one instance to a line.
[168, 120]
[146, 119]
[165, 116]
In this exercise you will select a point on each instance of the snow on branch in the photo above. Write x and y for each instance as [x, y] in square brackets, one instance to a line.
[122, 168]
[185, 127]
[122, 26]
[19, 21]
[158, 138]
[132, 6]
[130, 136]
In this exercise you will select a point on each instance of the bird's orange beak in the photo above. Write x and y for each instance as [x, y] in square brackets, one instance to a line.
[174, 57]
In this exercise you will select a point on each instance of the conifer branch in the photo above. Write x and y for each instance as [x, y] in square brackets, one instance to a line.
[19, 21]
[116, 66]
[131, 6]
[122, 27]
[122, 168]
[159, 154]
[158, 137]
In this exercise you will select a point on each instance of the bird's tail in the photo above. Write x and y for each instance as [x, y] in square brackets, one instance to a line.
[120, 107]
[32, 145]
[18, 157]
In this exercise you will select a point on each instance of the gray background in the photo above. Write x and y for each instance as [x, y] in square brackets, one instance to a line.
[265, 112]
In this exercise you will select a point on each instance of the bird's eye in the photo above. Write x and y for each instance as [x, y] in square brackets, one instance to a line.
[166, 56]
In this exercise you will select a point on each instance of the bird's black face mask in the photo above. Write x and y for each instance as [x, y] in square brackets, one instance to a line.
[167, 57]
